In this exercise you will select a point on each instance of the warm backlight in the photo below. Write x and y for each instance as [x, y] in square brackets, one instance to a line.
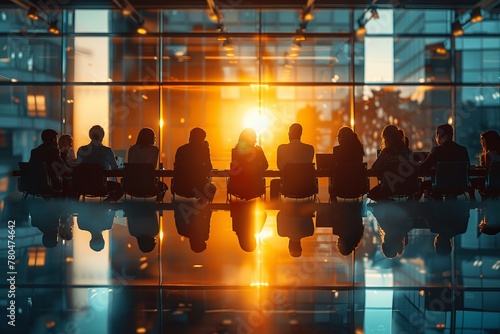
[256, 120]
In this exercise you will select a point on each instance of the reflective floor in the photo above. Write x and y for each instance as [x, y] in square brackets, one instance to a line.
[250, 267]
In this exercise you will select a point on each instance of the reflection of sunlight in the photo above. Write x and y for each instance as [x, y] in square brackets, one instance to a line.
[255, 120]
[266, 233]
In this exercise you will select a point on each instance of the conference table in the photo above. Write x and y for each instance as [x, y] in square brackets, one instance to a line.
[474, 172]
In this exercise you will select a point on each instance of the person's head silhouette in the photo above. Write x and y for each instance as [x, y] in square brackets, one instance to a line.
[197, 245]
[49, 239]
[146, 243]
[197, 135]
[97, 242]
[96, 133]
[442, 245]
[294, 248]
[392, 248]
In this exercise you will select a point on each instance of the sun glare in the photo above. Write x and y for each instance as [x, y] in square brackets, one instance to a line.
[256, 121]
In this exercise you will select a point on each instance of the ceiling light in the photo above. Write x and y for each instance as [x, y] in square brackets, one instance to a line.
[456, 29]
[126, 11]
[360, 33]
[53, 27]
[140, 28]
[33, 13]
[476, 15]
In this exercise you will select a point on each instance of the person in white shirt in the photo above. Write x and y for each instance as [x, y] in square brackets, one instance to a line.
[295, 151]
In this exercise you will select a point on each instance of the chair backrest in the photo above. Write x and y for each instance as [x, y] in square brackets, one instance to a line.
[350, 180]
[400, 179]
[34, 179]
[89, 180]
[493, 179]
[139, 180]
[298, 180]
[189, 179]
[246, 183]
[451, 178]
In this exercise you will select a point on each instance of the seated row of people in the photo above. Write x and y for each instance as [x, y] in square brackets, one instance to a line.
[249, 160]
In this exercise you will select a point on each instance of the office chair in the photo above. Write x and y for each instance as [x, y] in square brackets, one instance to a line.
[89, 180]
[191, 181]
[349, 181]
[139, 180]
[34, 180]
[298, 181]
[451, 179]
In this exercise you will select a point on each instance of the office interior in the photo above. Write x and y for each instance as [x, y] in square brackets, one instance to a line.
[225, 66]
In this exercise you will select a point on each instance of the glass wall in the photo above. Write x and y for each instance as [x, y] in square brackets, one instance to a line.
[258, 69]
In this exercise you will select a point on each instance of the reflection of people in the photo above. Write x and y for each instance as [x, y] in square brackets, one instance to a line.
[247, 221]
[447, 219]
[95, 218]
[96, 153]
[193, 222]
[346, 220]
[395, 221]
[144, 151]
[45, 217]
[490, 224]
[142, 224]
[295, 223]
[248, 164]
[49, 153]
[191, 167]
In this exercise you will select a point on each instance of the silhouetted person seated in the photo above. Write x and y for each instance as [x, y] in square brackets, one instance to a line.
[490, 153]
[295, 222]
[193, 223]
[446, 151]
[142, 222]
[95, 218]
[96, 153]
[191, 168]
[293, 152]
[144, 151]
[49, 153]
[248, 164]
[247, 221]
[394, 167]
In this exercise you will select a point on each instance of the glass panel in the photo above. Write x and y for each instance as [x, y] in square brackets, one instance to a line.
[131, 109]
[321, 110]
[30, 59]
[120, 23]
[207, 59]
[309, 60]
[416, 109]
[477, 60]
[422, 21]
[477, 110]
[15, 20]
[331, 21]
